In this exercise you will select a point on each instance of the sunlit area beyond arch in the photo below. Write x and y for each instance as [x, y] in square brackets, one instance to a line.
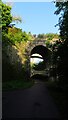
[39, 60]
[36, 58]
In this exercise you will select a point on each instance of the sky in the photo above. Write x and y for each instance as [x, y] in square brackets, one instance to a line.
[37, 17]
[36, 60]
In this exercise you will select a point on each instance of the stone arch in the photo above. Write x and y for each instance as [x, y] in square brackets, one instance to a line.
[40, 47]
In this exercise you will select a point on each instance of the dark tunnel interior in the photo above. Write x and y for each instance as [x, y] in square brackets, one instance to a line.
[42, 50]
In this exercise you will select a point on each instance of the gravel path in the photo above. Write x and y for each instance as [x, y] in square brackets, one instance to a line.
[34, 102]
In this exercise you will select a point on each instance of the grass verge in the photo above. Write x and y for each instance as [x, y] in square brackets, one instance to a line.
[16, 84]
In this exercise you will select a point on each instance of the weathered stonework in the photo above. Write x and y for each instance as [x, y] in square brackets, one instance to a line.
[20, 55]
[40, 44]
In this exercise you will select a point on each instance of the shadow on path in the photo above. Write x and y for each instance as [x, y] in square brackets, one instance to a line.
[34, 102]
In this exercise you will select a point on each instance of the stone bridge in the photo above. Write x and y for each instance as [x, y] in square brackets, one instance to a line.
[39, 47]
[44, 72]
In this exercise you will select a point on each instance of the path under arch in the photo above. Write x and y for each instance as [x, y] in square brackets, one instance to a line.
[45, 55]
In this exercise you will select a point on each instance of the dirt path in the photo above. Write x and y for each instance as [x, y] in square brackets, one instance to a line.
[29, 103]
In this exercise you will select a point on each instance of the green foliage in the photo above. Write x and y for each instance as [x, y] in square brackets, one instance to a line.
[17, 84]
[41, 36]
[5, 15]
[39, 66]
[50, 36]
[49, 39]
[13, 44]
[48, 44]
[16, 35]
[61, 47]
[26, 36]
[11, 33]
[5, 40]
[62, 8]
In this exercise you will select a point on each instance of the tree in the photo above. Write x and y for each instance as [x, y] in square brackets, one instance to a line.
[5, 15]
[41, 36]
[60, 48]
[62, 8]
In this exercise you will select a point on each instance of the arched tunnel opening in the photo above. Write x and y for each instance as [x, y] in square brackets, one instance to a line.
[40, 77]
[39, 62]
